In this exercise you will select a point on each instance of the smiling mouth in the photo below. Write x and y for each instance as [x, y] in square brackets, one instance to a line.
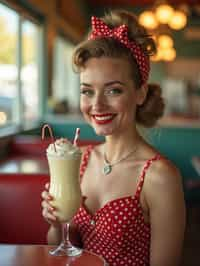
[103, 119]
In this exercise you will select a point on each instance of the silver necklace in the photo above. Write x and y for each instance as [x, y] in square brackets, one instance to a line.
[107, 166]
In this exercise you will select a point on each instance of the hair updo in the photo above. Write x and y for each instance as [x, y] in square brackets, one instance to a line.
[152, 109]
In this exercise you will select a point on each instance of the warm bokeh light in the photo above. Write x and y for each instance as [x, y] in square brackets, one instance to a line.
[178, 20]
[165, 41]
[164, 13]
[168, 54]
[154, 19]
[3, 118]
[148, 20]
[157, 57]
[164, 54]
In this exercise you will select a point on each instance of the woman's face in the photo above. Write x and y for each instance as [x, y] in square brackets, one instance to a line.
[108, 95]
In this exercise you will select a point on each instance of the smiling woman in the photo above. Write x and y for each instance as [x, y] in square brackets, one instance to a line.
[109, 100]
[133, 210]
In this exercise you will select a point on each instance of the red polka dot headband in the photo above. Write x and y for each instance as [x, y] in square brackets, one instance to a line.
[120, 33]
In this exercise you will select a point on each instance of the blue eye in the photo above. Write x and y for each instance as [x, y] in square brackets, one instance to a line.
[114, 91]
[87, 92]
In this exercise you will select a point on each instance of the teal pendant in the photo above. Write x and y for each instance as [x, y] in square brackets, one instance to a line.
[107, 169]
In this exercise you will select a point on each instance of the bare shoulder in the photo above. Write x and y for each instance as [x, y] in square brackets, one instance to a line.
[163, 182]
[163, 172]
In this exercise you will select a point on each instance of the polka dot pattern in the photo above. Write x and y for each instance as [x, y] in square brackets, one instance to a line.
[117, 231]
[100, 29]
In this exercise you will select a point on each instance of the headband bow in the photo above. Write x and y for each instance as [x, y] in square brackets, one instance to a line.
[120, 33]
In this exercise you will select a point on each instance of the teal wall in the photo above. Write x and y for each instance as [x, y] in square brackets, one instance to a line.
[157, 73]
[179, 145]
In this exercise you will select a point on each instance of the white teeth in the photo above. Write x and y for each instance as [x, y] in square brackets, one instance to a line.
[101, 118]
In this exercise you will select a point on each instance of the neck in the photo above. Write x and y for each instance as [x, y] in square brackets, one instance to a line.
[118, 146]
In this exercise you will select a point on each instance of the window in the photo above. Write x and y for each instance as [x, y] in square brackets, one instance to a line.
[8, 65]
[19, 68]
[30, 70]
[65, 94]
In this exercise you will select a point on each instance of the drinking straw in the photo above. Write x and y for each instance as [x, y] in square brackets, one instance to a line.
[50, 133]
[75, 142]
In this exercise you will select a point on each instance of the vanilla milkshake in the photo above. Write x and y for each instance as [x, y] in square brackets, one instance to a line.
[64, 165]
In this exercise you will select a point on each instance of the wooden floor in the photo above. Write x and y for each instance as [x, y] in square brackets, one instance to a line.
[191, 251]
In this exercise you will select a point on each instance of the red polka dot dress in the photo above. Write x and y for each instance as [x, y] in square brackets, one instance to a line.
[117, 231]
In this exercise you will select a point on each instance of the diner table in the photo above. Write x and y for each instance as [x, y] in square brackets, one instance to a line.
[38, 255]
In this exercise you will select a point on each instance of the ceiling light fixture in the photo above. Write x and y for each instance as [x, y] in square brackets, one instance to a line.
[163, 13]
[160, 20]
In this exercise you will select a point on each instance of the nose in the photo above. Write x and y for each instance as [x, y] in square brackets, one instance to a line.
[99, 102]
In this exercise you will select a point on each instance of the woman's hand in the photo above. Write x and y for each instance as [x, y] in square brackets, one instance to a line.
[48, 212]
[47, 209]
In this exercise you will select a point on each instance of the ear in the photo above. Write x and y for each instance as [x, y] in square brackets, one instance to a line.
[141, 94]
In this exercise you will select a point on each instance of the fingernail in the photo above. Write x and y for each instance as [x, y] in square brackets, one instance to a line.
[51, 208]
[49, 197]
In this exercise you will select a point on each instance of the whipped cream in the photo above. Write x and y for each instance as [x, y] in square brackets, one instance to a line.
[63, 148]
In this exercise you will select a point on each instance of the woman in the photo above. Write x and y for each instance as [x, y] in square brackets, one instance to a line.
[134, 211]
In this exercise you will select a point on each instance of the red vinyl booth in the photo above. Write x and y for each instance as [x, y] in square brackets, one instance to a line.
[20, 207]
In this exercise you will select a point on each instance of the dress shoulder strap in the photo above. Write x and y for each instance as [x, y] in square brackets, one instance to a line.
[144, 170]
[85, 160]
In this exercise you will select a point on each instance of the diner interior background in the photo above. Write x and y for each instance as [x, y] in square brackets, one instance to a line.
[38, 85]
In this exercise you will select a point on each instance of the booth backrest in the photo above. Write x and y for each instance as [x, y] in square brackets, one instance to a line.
[20, 207]
[34, 146]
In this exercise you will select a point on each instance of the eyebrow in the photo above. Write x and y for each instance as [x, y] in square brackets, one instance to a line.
[106, 84]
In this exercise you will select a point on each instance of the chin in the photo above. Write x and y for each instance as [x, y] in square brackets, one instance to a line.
[101, 132]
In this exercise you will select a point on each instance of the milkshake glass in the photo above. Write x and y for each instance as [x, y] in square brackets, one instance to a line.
[64, 166]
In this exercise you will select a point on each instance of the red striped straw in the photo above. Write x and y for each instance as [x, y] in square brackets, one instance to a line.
[75, 142]
[50, 133]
